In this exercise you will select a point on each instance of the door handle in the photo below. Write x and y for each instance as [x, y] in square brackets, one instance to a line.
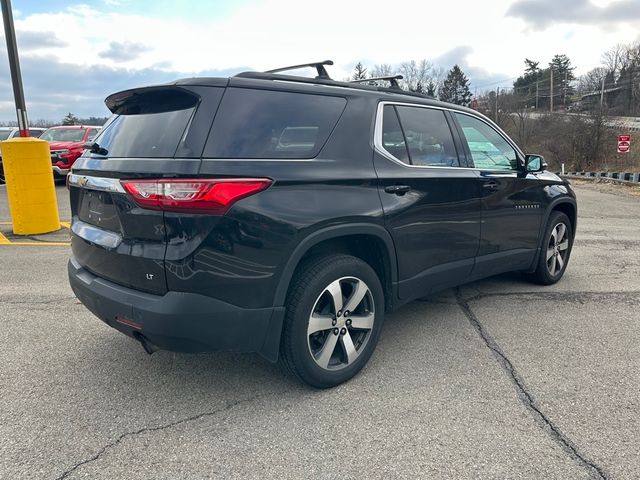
[490, 185]
[397, 189]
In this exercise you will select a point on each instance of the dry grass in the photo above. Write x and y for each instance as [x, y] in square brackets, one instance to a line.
[607, 186]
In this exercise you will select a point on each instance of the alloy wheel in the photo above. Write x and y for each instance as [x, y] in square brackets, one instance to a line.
[340, 323]
[557, 249]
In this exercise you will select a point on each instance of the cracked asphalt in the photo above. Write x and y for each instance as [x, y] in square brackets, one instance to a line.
[496, 379]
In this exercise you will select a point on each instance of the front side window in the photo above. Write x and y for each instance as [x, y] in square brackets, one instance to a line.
[270, 124]
[489, 150]
[427, 137]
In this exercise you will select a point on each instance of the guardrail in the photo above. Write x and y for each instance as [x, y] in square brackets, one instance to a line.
[632, 178]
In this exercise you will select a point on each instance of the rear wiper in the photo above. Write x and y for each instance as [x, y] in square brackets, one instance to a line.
[95, 148]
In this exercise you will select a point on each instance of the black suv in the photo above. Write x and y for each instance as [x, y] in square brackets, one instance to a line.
[286, 215]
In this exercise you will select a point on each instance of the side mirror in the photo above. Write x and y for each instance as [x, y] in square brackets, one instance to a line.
[88, 146]
[534, 163]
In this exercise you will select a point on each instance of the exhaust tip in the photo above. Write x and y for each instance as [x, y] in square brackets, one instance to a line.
[146, 344]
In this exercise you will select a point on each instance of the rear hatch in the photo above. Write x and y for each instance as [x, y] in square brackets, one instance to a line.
[155, 132]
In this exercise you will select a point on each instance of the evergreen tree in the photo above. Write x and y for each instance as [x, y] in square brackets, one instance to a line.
[69, 119]
[359, 73]
[561, 66]
[527, 85]
[455, 88]
[431, 88]
[562, 77]
[531, 67]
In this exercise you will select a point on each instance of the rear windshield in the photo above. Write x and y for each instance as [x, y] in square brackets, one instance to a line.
[270, 124]
[148, 123]
[150, 135]
[63, 135]
[4, 134]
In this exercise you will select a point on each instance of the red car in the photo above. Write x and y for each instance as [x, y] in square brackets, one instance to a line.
[66, 144]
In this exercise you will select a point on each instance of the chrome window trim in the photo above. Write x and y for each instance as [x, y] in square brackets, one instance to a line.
[102, 184]
[378, 146]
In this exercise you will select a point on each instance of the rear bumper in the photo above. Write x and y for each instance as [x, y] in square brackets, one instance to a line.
[178, 321]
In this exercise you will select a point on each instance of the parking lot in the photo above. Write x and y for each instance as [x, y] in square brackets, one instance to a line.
[497, 379]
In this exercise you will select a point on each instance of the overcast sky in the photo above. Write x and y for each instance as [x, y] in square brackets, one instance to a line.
[74, 54]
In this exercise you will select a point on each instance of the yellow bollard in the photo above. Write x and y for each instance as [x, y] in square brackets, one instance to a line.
[30, 186]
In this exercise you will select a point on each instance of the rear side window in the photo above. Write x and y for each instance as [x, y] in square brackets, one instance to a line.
[270, 124]
[392, 136]
[428, 137]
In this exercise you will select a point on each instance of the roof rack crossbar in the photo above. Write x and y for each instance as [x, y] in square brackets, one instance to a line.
[392, 79]
[319, 66]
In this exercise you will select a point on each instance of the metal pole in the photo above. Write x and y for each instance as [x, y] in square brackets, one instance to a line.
[14, 65]
[602, 93]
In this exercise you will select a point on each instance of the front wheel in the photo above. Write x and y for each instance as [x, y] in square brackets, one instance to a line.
[335, 311]
[555, 252]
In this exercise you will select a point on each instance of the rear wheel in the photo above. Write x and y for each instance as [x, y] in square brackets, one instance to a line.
[555, 252]
[335, 311]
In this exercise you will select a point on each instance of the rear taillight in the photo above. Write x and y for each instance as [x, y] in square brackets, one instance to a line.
[213, 196]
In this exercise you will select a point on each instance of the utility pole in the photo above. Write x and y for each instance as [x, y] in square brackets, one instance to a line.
[551, 92]
[564, 88]
[26, 161]
[602, 92]
[14, 66]
[497, 93]
[537, 92]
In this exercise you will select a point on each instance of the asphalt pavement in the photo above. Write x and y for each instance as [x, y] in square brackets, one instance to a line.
[497, 379]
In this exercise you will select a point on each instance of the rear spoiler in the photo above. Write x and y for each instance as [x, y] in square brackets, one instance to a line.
[157, 99]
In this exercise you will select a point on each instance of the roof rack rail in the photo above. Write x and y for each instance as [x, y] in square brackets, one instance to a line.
[319, 66]
[392, 79]
[360, 84]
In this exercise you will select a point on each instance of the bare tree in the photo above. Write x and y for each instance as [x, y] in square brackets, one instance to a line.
[381, 70]
[417, 75]
[592, 80]
[514, 109]
[614, 58]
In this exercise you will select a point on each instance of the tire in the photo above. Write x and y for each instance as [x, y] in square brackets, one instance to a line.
[310, 349]
[554, 252]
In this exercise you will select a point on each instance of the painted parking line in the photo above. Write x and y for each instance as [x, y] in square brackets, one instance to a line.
[13, 241]
[41, 244]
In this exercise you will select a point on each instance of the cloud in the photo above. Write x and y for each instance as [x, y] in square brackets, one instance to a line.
[159, 40]
[124, 51]
[541, 14]
[457, 55]
[479, 77]
[78, 89]
[29, 40]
